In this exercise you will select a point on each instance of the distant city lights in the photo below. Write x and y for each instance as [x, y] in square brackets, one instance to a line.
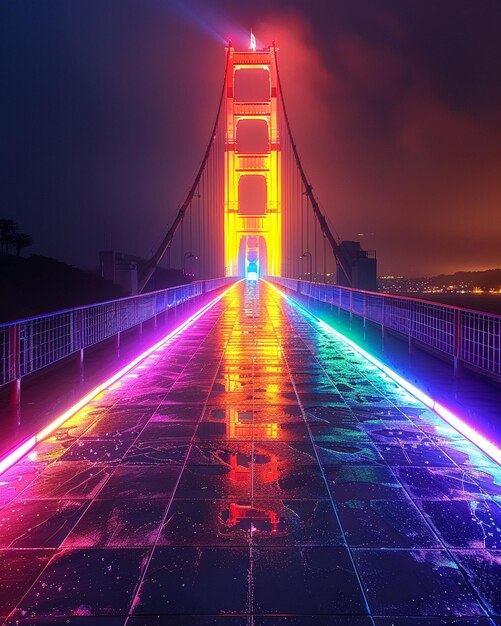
[399, 284]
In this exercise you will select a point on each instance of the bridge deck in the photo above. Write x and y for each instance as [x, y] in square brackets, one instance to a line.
[254, 466]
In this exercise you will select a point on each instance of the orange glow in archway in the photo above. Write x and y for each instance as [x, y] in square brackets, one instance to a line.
[252, 240]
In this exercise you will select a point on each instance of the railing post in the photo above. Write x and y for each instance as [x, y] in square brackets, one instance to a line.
[458, 363]
[117, 344]
[81, 364]
[351, 306]
[412, 347]
[15, 364]
[78, 343]
[383, 331]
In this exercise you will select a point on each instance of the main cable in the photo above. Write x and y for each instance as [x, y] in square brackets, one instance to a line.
[340, 257]
[149, 270]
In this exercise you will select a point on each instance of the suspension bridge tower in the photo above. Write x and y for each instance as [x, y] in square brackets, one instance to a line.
[252, 185]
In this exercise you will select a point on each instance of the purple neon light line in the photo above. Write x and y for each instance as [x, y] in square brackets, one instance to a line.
[27, 445]
[486, 446]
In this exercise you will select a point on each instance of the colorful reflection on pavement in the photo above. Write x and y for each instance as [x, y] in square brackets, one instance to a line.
[256, 470]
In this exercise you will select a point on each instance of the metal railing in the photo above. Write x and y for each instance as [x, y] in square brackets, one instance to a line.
[469, 337]
[29, 345]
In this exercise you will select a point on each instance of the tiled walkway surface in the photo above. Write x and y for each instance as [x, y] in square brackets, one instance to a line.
[253, 471]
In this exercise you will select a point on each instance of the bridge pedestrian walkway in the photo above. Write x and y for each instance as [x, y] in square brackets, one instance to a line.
[253, 470]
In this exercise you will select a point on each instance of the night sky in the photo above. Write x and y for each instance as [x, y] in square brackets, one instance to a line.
[106, 107]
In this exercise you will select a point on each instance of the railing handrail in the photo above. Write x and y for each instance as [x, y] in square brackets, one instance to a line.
[34, 343]
[397, 296]
[82, 307]
[469, 336]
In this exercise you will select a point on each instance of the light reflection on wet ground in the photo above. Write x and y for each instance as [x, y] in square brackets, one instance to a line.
[254, 471]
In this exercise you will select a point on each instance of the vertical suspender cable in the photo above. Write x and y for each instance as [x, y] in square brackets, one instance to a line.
[340, 257]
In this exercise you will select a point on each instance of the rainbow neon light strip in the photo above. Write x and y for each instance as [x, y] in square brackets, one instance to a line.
[453, 420]
[31, 442]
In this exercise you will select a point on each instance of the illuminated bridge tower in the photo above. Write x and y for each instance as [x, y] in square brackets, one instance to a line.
[252, 186]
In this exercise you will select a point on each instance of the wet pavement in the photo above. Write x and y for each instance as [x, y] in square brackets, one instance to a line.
[255, 470]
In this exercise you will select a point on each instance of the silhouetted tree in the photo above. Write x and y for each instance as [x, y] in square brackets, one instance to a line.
[8, 230]
[21, 241]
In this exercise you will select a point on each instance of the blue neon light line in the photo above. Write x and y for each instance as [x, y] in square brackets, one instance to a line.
[486, 446]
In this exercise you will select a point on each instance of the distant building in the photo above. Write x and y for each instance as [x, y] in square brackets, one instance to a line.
[362, 264]
[121, 269]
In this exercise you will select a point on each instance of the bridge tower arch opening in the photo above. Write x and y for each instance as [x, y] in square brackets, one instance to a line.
[252, 257]
[252, 220]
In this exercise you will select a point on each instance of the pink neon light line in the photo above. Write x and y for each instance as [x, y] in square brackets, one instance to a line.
[31, 442]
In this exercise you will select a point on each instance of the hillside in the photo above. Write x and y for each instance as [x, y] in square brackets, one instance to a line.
[40, 284]
[487, 279]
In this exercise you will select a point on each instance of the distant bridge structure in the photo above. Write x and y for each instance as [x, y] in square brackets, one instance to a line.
[251, 208]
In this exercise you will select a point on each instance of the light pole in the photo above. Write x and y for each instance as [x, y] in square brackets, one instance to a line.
[307, 254]
[187, 255]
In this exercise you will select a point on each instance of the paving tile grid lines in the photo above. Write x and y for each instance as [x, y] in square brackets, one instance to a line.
[254, 470]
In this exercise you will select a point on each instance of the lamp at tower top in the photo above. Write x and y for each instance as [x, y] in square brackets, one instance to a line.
[252, 48]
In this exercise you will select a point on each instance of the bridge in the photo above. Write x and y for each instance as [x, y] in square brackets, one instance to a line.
[272, 443]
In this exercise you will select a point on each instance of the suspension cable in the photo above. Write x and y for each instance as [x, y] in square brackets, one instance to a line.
[149, 270]
[340, 257]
